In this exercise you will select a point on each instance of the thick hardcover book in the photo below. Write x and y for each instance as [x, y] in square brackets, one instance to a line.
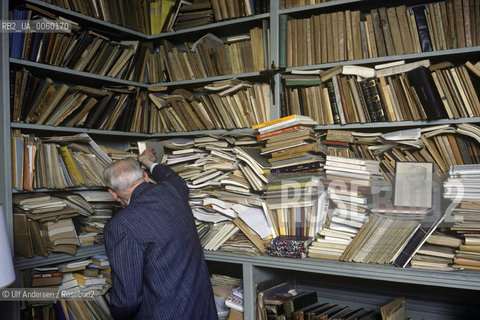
[422, 80]
[369, 99]
[94, 116]
[333, 102]
[422, 27]
[299, 301]
[23, 239]
[298, 167]
[376, 100]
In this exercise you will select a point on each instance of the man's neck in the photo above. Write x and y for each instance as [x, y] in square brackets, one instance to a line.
[131, 190]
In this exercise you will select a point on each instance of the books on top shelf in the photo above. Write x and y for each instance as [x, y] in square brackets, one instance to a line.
[354, 35]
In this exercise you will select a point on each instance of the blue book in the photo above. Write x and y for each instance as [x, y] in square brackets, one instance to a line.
[17, 38]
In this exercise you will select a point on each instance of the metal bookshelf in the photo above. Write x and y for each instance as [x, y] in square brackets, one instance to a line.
[41, 127]
[412, 56]
[41, 67]
[398, 124]
[83, 252]
[329, 4]
[203, 81]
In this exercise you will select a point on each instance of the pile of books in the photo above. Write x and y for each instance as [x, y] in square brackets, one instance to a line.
[100, 206]
[437, 253]
[462, 187]
[43, 224]
[355, 171]
[347, 215]
[193, 15]
[221, 177]
[290, 145]
[69, 279]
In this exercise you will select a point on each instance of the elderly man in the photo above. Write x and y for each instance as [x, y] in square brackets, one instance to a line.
[158, 269]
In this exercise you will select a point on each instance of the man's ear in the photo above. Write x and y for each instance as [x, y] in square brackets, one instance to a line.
[114, 195]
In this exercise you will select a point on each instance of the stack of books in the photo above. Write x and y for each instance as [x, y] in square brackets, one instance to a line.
[289, 143]
[96, 207]
[349, 210]
[291, 194]
[60, 236]
[193, 15]
[43, 224]
[292, 206]
[355, 171]
[217, 235]
[462, 188]
[49, 277]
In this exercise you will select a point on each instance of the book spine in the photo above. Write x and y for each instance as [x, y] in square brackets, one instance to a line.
[277, 132]
[333, 102]
[422, 80]
[368, 100]
[422, 28]
[376, 101]
[269, 123]
[298, 167]
[46, 275]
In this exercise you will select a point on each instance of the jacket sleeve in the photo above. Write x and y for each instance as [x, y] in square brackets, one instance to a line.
[163, 174]
[126, 261]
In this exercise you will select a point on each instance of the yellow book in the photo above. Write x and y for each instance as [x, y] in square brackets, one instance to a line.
[71, 167]
[269, 123]
[155, 14]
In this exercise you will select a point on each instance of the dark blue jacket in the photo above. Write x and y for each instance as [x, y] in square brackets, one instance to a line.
[158, 268]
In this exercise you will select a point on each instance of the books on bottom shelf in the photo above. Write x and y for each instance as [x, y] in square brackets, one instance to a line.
[276, 299]
[69, 279]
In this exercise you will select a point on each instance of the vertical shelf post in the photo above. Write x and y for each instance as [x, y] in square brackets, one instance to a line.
[5, 167]
[274, 57]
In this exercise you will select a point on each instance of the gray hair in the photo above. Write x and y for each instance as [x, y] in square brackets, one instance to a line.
[122, 174]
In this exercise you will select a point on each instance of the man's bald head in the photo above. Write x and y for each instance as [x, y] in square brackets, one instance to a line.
[122, 175]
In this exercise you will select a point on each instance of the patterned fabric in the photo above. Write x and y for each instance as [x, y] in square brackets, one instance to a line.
[158, 268]
[290, 246]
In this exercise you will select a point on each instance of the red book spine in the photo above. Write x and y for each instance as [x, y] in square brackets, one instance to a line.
[277, 132]
[46, 275]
